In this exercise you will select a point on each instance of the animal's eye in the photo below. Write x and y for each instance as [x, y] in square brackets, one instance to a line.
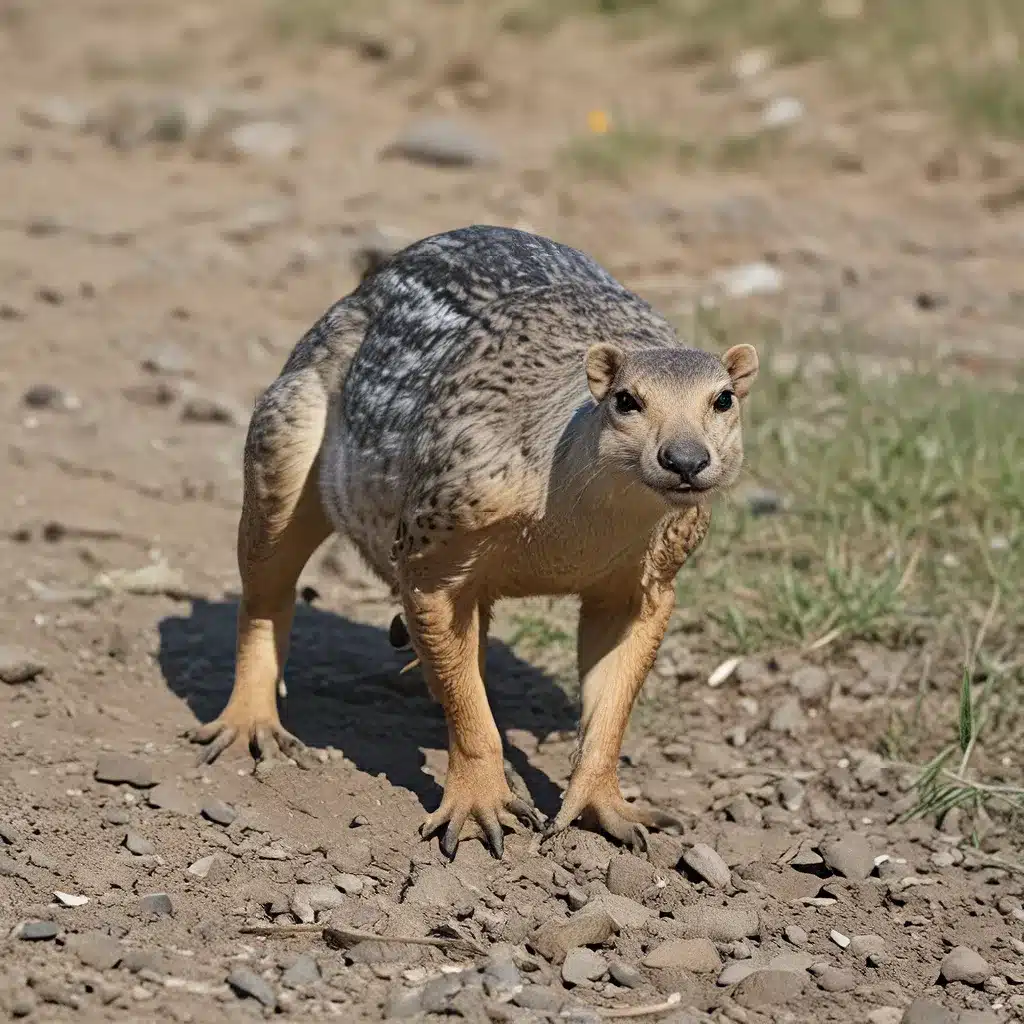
[625, 402]
[723, 403]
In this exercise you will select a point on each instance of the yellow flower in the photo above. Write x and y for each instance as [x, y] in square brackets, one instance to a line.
[597, 122]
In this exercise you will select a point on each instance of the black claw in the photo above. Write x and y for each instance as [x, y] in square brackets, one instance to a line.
[398, 634]
[495, 838]
[450, 841]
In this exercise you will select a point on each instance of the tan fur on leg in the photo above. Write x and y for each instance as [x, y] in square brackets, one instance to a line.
[620, 632]
[283, 522]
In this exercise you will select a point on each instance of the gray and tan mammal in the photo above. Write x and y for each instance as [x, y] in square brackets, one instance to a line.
[489, 415]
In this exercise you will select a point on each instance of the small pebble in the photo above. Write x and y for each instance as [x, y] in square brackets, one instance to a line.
[702, 860]
[118, 768]
[849, 855]
[246, 982]
[157, 904]
[796, 935]
[625, 974]
[581, 965]
[19, 665]
[965, 964]
[138, 845]
[38, 931]
[219, 812]
[303, 972]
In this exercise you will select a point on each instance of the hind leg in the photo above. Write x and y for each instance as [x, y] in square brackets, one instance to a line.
[282, 523]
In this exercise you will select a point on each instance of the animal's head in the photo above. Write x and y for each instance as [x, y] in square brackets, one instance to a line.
[672, 416]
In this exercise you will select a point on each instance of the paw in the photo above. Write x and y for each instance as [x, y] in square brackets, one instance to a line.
[260, 735]
[478, 803]
[601, 806]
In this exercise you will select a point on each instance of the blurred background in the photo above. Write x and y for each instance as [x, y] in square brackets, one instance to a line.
[185, 187]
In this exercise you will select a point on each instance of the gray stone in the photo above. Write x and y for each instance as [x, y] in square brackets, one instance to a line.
[438, 993]
[977, 1017]
[926, 1011]
[247, 983]
[795, 934]
[320, 897]
[10, 835]
[38, 931]
[19, 665]
[833, 979]
[862, 946]
[794, 961]
[697, 955]
[156, 904]
[96, 950]
[436, 886]
[138, 845]
[441, 142]
[849, 855]
[51, 397]
[626, 913]
[219, 812]
[353, 885]
[788, 717]
[720, 924]
[811, 682]
[702, 860]
[586, 927]
[629, 876]
[965, 964]
[625, 974]
[116, 816]
[537, 997]
[582, 964]
[167, 797]
[885, 1015]
[118, 768]
[202, 867]
[404, 1003]
[304, 971]
[733, 974]
[769, 988]
[501, 977]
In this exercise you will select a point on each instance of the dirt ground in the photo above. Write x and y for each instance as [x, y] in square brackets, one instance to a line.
[185, 188]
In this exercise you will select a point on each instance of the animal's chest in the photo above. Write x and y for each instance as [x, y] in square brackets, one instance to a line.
[567, 555]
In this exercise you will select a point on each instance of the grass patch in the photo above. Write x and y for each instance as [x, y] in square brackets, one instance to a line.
[904, 506]
[613, 154]
[947, 53]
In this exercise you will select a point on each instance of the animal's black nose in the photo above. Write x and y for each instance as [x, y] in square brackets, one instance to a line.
[684, 458]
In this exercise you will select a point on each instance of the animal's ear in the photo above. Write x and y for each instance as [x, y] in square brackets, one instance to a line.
[603, 363]
[741, 362]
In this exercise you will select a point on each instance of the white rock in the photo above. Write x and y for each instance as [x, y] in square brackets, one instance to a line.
[68, 899]
[750, 279]
[706, 862]
[782, 112]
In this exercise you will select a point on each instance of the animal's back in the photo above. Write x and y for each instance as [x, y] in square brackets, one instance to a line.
[469, 368]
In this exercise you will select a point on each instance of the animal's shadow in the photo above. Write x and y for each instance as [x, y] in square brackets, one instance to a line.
[345, 690]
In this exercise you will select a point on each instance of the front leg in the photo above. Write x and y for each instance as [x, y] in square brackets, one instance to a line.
[444, 625]
[621, 629]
